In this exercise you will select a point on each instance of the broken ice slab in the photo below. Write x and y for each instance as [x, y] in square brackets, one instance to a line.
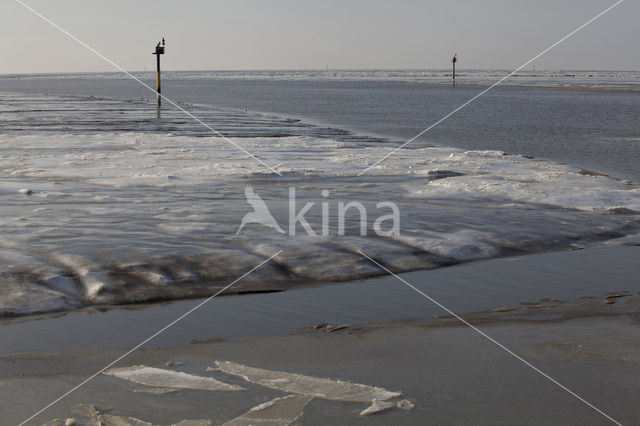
[335, 390]
[156, 391]
[99, 420]
[62, 422]
[404, 404]
[158, 377]
[377, 406]
[277, 412]
[93, 416]
[106, 420]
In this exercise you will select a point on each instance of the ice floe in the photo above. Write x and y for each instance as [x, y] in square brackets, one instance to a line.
[377, 406]
[99, 419]
[335, 390]
[277, 412]
[161, 378]
[404, 404]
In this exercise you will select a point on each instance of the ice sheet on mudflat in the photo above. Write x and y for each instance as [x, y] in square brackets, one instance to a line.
[111, 218]
[121, 160]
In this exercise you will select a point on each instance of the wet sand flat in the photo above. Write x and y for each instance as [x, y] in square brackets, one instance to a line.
[572, 314]
[449, 373]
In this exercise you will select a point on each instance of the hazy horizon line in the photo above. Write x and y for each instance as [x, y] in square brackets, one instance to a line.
[313, 69]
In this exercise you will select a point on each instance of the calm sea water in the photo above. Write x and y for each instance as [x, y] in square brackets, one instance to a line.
[104, 202]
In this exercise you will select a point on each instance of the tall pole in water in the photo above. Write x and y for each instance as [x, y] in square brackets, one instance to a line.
[159, 51]
[453, 61]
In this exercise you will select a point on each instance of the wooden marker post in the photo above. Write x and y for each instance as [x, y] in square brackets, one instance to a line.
[159, 51]
[453, 61]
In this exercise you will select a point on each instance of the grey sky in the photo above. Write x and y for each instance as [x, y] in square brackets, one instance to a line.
[304, 34]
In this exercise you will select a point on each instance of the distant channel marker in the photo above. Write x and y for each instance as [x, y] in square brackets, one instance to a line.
[159, 51]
